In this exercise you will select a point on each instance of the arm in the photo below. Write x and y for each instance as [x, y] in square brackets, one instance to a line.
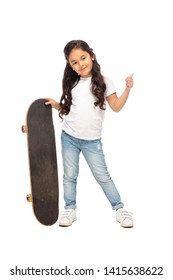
[117, 103]
[53, 103]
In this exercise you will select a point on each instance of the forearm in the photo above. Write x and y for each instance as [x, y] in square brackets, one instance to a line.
[56, 106]
[121, 100]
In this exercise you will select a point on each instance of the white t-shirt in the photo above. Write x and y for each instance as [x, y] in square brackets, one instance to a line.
[85, 120]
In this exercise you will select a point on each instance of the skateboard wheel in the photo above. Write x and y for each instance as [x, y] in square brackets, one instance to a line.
[24, 128]
[29, 197]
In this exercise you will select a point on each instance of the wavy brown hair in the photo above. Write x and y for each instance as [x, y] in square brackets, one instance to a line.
[71, 79]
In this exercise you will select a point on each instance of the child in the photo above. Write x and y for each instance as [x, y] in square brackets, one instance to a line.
[83, 103]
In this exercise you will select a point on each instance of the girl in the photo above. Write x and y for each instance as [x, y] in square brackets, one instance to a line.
[83, 103]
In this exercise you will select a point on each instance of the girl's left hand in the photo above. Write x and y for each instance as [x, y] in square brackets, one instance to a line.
[129, 81]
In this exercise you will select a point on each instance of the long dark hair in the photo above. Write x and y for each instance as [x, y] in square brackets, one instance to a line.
[71, 79]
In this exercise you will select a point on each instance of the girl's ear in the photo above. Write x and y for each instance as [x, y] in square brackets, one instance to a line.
[93, 58]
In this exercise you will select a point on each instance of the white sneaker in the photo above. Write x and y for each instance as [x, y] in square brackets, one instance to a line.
[124, 218]
[67, 217]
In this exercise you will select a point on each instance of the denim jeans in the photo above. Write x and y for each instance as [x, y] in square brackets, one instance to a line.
[93, 154]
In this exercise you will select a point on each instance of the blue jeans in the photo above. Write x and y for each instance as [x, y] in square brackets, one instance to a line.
[93, 154]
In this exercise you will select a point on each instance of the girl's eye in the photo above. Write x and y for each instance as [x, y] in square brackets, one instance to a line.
[73, 63]
[83, 58]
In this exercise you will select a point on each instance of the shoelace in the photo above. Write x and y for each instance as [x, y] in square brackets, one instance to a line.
[66, 213]
[126, 214]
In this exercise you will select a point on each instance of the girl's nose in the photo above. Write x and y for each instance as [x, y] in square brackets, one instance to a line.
[81, 63]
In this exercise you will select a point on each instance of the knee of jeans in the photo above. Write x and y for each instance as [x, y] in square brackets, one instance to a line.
[69, 173]
[103, 178]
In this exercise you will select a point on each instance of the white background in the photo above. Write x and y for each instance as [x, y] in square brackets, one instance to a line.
[127, 36]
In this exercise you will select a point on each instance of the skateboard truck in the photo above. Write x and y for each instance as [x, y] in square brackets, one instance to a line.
[24, 128]
[29, 197]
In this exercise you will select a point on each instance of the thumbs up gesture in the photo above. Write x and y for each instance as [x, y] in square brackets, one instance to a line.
[129, 81]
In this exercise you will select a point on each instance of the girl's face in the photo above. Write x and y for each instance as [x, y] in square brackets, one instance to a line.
[81, 62]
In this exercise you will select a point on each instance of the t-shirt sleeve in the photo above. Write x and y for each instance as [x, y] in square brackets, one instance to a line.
[110, 86]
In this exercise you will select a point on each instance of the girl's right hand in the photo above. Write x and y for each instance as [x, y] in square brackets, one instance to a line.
[52, 102]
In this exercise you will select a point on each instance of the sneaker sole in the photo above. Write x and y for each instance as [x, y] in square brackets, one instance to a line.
[125, 226]
[65, 225]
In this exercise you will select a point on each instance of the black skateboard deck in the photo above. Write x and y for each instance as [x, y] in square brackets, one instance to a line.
[42, 162]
